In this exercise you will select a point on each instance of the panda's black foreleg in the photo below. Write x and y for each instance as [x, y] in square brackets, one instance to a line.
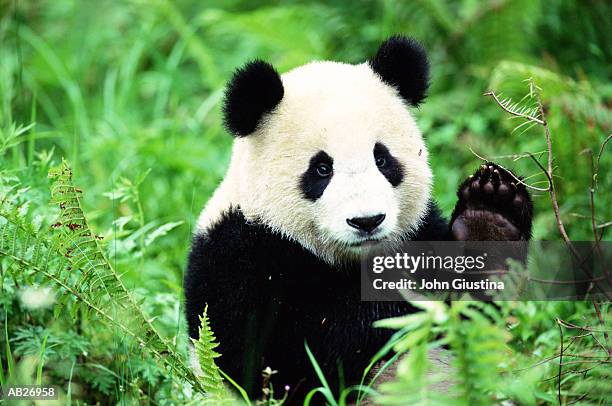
[492, 206]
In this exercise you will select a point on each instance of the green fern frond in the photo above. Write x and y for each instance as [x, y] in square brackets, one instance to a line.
[205, 351]
[478, 346]
[69, 257]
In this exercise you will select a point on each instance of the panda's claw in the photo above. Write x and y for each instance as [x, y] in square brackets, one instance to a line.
[492, 206]
[496, 178]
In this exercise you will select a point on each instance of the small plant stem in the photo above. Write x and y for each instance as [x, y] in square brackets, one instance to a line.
[140, 221]
[560, 362]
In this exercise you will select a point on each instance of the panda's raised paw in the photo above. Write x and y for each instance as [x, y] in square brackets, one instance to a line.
[493, 205]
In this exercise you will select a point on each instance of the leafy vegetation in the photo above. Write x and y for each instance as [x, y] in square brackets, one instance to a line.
[206, 354]
[129, 93]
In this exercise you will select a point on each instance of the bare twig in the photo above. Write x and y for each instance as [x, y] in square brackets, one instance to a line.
[603, 145]
[570, 282]
[592, 195]
[567, 347]
[518, 181]
[584, 395]
[516, 157]
[604, 225]
[549, 173]
[605, 333]
[587, 362]
[598, 236]
[582, 371]
[575, 326]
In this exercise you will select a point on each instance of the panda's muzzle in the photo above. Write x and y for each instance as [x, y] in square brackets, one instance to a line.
[367, 224]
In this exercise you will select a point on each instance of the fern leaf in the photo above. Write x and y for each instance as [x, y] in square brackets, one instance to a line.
[478, 346]
[69, 256]
[205, 351]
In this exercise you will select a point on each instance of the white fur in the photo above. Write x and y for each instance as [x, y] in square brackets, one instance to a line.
[344, 199]
[343, 110]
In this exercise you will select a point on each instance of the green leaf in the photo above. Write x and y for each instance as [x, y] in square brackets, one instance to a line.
[41, 360]
[161, 231]
[9, 355]
[325, 390]
[204, 346]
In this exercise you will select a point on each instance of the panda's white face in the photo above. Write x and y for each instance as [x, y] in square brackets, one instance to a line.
[338, 163]
[358, 204]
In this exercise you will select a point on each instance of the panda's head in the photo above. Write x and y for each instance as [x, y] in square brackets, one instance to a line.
[328, 154]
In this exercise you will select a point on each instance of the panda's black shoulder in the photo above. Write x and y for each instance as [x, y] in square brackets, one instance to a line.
[233, 263]
[230, 231]
[214, 273]
[233, 234]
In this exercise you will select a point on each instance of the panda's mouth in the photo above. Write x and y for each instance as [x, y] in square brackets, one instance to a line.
[366, 241]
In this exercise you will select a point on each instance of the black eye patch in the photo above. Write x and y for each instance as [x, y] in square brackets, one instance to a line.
[391, 168]
[316, 178]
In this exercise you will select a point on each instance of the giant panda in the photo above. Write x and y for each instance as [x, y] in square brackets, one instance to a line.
[327, 158]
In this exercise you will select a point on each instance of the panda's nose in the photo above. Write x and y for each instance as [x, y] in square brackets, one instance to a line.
[367, 224]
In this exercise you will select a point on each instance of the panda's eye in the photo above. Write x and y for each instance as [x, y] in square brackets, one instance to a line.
[381, 161]
[323, 170]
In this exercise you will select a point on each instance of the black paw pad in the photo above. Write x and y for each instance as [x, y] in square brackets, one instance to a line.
[493, 205]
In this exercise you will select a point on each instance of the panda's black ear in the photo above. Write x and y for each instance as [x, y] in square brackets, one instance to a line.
[254, 90]
[402, 63]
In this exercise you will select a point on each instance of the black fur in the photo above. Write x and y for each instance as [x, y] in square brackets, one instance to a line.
[255, 89]
[492, 205]
[312, 184]
[266, 295]
[392, 168]
[402, 63]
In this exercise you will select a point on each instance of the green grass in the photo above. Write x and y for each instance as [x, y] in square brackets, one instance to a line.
[130, 93]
